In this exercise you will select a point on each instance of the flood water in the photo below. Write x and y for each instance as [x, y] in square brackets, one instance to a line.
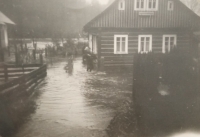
[62, 110]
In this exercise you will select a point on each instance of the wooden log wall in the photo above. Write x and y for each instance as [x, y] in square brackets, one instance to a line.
[111, 59]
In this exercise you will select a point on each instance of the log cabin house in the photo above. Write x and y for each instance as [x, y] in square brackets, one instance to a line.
[140, 26]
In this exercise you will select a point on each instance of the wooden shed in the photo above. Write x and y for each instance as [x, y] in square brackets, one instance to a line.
[4, 20]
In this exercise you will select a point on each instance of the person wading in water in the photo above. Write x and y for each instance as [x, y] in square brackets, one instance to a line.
[70, 56]
[90, 57]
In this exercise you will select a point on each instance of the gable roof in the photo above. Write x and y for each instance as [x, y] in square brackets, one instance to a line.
[101, 14]
[181, 17]
[4, 19]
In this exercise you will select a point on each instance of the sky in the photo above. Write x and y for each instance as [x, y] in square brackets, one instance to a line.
[103, 2]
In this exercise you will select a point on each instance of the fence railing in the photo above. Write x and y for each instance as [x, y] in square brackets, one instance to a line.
[21, 78]
[10, 71]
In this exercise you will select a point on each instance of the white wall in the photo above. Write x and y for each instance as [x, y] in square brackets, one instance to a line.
[4, 35]
[90, 41]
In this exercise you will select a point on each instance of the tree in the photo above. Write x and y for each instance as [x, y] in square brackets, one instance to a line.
[193, 5]
[48, 18]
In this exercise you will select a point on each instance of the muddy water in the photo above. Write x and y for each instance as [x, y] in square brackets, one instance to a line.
[62, 109]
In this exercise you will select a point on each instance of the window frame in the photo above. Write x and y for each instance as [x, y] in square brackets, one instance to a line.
[154, 9]
[115, 44]
[119, 5]
[168, 5]
[146, 7]
[139, 43]
[169, 36]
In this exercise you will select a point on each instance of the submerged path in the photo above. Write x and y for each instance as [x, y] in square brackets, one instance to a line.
[62, 110]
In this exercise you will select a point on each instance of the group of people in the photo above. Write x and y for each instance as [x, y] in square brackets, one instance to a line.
[89, 58]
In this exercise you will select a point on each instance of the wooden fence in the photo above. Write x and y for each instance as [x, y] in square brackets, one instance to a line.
[21, 78]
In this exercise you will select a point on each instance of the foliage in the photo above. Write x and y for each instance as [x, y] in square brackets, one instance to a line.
[165, 92]
[48, 18]
[193, 5]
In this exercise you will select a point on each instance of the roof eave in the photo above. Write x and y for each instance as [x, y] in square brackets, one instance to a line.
[5, 20]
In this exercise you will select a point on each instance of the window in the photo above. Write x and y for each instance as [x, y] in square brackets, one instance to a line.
[148, 5]
[152, 4]
[121, 5]
[121, 44]
[139, 4]
[169, 42]
[145, 43]
[170, 5]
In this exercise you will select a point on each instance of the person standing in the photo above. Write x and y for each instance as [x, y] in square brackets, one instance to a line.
[89, 61]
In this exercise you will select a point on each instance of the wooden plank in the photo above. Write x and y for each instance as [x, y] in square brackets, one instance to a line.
[2, 77]
[35, 79]
[107, 42]
[33, 73]
[112, 54]
[6, 73]
[14, 75]
[111, 50]
[10, 92]
[25, 66]
[118, 64]
[117, 57]
[19, 85]
[10, 84]
[15, 71]
[36, 84]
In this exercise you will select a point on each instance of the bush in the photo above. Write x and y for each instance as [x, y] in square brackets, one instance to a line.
[165, 92]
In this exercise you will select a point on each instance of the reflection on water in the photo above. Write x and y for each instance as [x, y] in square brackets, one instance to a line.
[63, 110]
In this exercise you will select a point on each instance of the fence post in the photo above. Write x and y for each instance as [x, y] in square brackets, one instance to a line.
[34, 55]
[8, 50]
[23, 68]
[46, 54]
[41, 58]
[6, 73]
[2, 55]
[22, 83]
[26, 48]
[45, 70]
[17, 58]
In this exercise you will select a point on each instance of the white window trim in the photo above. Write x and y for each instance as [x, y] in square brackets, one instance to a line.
[119, 5]
[139, 43]
[115, 44]
[164, 36]
[145, 6]
[168, 5]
